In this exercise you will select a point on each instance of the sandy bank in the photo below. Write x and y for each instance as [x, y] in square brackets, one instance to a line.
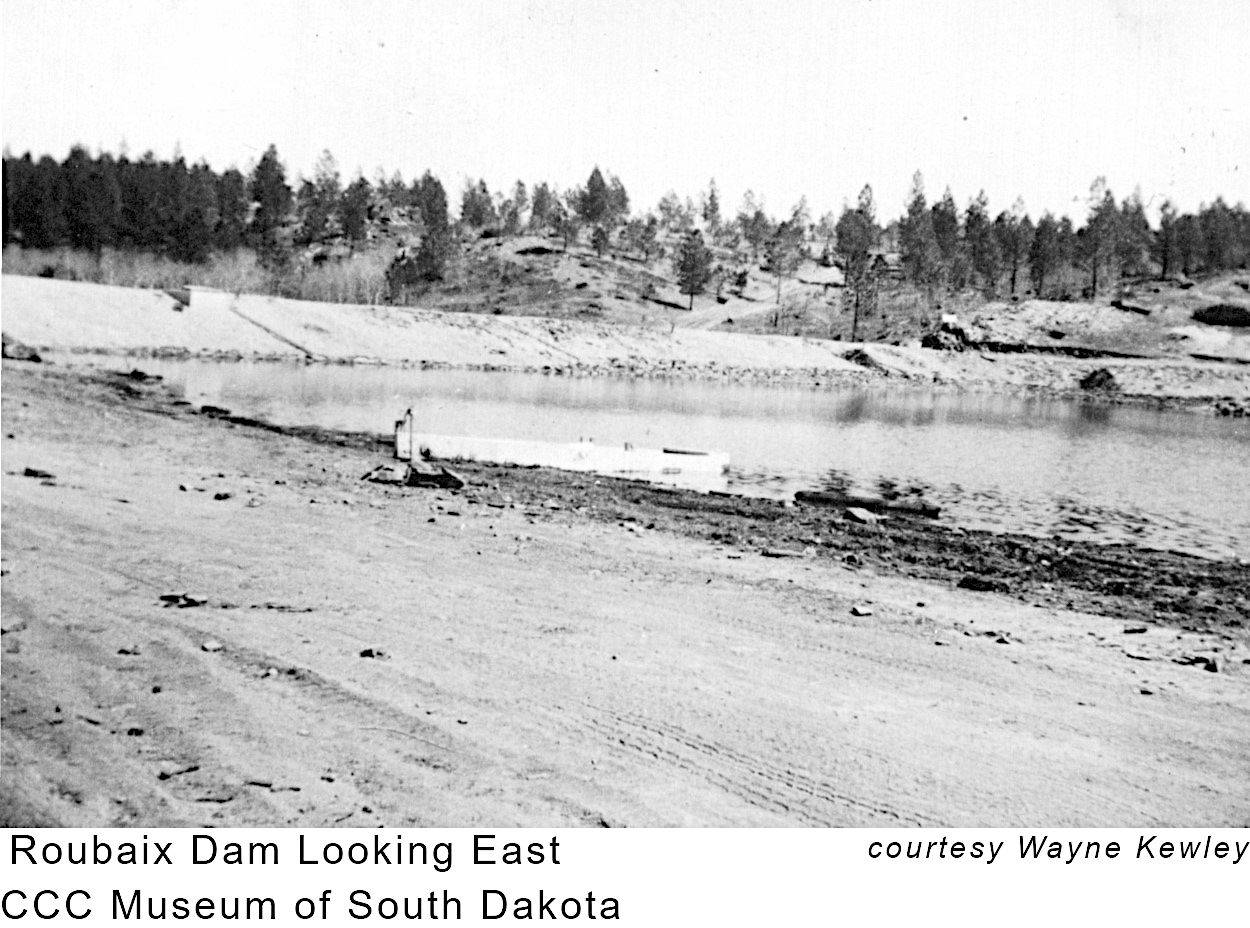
[548, 650]
[60, 315]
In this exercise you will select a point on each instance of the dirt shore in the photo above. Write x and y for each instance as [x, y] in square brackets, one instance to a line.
[545, 648]
[64, 316]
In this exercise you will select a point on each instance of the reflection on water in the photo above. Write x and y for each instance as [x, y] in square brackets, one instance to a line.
[1161, 479]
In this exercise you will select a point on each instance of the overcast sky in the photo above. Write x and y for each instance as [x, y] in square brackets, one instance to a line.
[1024, 97]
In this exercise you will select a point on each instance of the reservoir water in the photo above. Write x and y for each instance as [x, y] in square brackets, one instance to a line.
[1171, 480]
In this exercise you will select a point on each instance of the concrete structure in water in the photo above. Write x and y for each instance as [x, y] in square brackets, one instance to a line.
[611, 460]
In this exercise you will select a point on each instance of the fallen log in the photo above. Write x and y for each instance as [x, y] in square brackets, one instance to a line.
[870, 503]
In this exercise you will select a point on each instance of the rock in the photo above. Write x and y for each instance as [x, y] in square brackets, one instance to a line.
[1223, 314]
[864, 359]
[373, 653]
[212, 646]
[223, 494]
[168, 771]
[182, 600]
[1101, 380]
[981, 584]
[422, 474]
[16, 351]
[1130, 307]
[781, 552]
[862, 516]
[1135, 630]
[392, 474]
[861, 611]
[38, 474]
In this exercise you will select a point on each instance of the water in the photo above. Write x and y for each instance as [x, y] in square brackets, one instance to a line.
[1169, 480]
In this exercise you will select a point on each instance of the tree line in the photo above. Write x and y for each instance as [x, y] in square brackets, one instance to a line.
[188, 211]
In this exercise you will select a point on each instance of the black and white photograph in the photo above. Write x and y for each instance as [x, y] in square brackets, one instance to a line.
[560, 414]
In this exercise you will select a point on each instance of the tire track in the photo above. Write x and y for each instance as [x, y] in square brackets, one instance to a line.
[757, 781]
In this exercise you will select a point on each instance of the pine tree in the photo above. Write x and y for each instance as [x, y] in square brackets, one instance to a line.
[984, 255]
[711, 207]
[782, 257]
[477, 209]
[354, 210]
[1044, 253]
[92, 200]
[1133, 237]
[857, 237]
[599, 240]
[1014, 233]
[232, 210]
[922, 259]
[593, 205]
[693, 266]
[948, 232]
[430, 200]
[272, 196]
[1166, 250]
[1097, 241]
[1190, 246]
[542, 208]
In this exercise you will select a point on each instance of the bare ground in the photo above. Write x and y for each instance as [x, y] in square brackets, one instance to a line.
[548, 649]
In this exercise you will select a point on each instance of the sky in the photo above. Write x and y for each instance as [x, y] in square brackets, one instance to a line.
[1029, 98]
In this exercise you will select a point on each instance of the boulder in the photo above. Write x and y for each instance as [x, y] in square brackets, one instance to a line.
[1101, 380]
[862, 516]
[1221, 314]
[16, 351]
[422, 474]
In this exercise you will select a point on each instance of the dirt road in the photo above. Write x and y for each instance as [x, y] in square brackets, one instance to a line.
[532, 664]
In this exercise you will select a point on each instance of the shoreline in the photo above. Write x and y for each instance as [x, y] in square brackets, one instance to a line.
[57, 316]
[210, 619]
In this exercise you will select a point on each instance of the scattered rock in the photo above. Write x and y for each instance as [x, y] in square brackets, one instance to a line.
[223, 494]
[861, 611]
[129, 651]
[212, 646]
[38, 474]
[374, 653]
